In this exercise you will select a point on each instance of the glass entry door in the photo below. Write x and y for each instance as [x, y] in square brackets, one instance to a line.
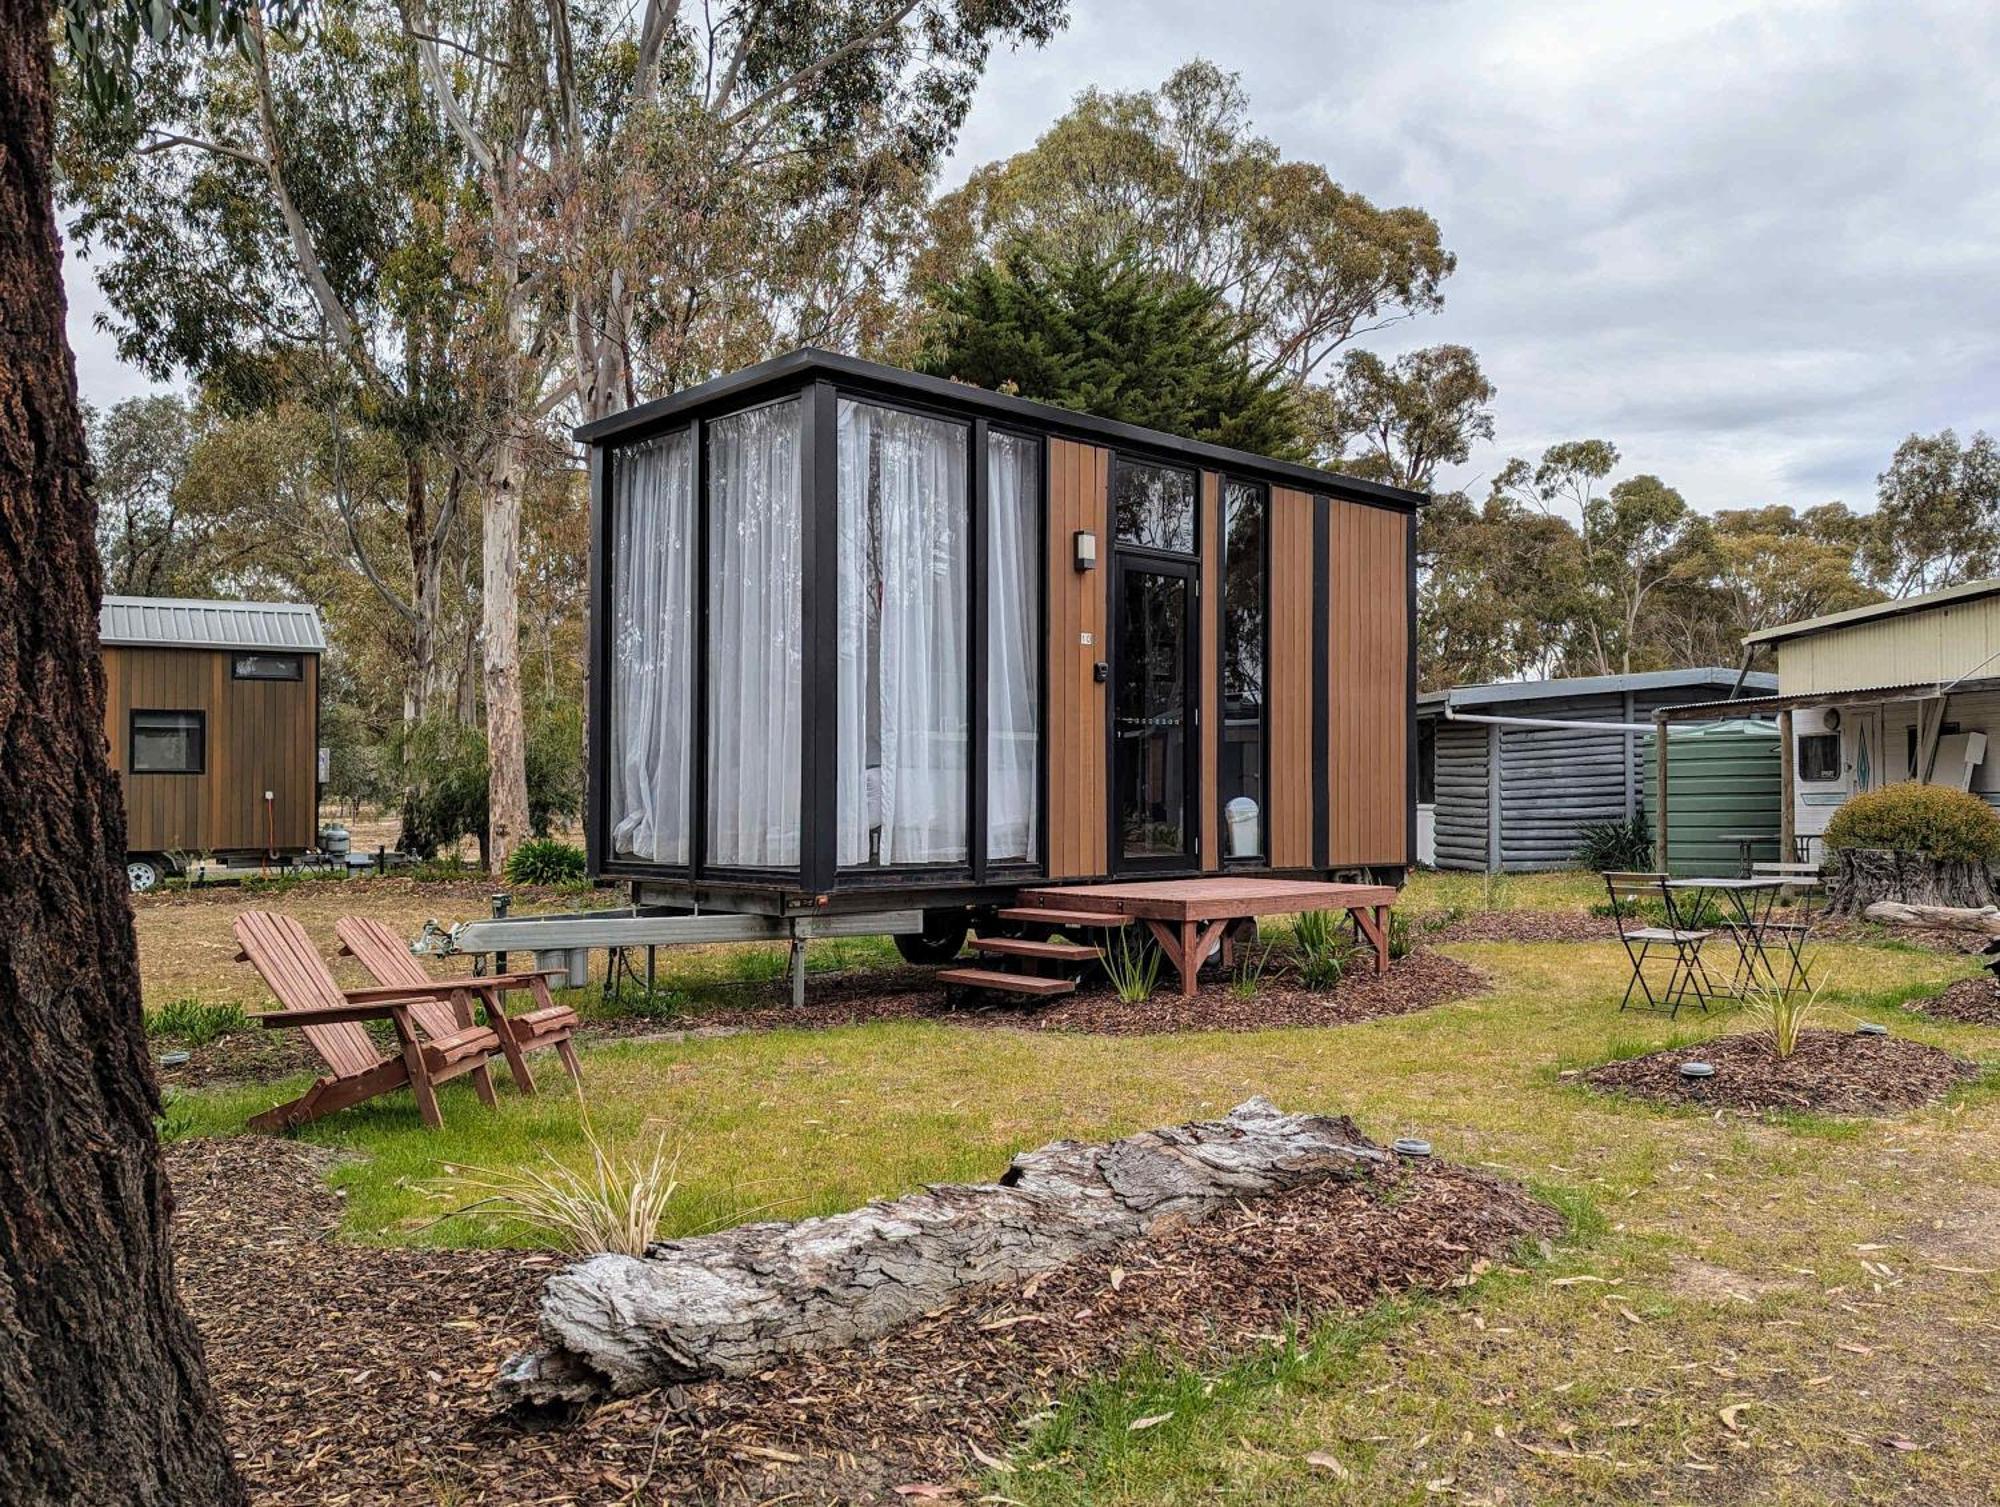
[1153, 720]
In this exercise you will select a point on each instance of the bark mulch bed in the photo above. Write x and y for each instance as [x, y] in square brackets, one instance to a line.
[1974, 1001]
[1832, 1072]
[361, 1375]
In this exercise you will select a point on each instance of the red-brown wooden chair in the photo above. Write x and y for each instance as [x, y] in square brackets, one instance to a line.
[436, 1039]
[390, 962]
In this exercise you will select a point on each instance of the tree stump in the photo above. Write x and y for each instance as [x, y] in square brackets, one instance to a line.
[734, 1303]
[1865, 876]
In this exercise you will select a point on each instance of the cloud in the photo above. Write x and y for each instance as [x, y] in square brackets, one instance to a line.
[1753, 244]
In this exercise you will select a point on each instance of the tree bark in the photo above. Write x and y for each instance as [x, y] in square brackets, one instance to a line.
[1864, 876]
[103, 1396]
[500, 596]
[1983, 921]
[734, 1304]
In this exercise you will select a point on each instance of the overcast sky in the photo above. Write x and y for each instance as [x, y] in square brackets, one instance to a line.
[1753, 244]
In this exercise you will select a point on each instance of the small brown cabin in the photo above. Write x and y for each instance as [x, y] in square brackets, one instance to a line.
[212, 714]
[862, 639]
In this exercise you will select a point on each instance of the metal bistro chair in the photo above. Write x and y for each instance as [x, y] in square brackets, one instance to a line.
[1792, 933]
[1687, 975]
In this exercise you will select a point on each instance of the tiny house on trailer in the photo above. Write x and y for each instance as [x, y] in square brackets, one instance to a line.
[864, 640]
[211, 710]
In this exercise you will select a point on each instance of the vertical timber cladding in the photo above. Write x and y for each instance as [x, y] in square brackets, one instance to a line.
[1079, 636]
[1209, 711]
[1289, 699]
[1368, 661]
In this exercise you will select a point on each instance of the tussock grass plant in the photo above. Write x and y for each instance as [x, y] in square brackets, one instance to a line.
[1133, 967]
[195, 1022]
[1780, 1012]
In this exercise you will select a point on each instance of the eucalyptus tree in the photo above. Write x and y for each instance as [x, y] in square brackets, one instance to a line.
[1399, 420]
[1937, 515]
[1179, 175]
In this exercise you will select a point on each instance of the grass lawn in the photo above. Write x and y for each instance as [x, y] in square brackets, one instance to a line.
[1833, 1278]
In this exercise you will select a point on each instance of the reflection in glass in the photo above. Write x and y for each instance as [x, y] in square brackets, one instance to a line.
[1151, 731]
[1245, 509]
[1153, 506]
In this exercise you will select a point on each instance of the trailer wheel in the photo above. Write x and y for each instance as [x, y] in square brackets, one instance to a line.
[940, 940]
[143, 873]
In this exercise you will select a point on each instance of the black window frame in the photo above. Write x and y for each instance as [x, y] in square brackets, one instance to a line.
[200, 738]
[1126, 460]
[1261, 858]
[295, 663]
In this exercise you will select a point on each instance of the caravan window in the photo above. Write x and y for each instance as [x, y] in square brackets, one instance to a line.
[904, 638]
[1819, 756]
[169, 743]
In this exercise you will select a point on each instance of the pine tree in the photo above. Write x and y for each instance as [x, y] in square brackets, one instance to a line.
[1111, 337]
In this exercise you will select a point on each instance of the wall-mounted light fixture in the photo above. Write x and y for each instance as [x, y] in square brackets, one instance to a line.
[1086, 549]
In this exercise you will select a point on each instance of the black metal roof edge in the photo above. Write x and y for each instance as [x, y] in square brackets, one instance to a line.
[807, 362]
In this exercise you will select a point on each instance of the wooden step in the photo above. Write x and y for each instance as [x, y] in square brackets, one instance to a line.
[1006, 983]
[1022, 947]
[1040, 915]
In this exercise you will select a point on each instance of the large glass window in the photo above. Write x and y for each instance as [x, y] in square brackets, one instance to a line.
[1153, 506]
[755, 649]
[1245, 515]
[169, 742]
[1013, 645]
[652, 648]
[902, 692]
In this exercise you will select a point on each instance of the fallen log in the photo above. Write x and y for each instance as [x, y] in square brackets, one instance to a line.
[733, 1303]
[1983, 920]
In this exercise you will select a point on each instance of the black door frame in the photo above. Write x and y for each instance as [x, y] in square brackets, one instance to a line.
[1188, 570]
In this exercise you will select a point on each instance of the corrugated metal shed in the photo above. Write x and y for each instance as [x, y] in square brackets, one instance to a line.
[1936, 638]
[186, 623]
[1512, 798]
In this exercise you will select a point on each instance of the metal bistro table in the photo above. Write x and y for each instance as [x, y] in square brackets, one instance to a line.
[1753, 900]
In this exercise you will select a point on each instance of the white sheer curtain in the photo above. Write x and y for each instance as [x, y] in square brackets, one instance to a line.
[1013, 644]
[652, 639]
[903, 722]
[755, 638]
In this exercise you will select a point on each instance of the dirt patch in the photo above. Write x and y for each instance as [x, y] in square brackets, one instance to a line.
[1974, 1001]
[1832, 1072]
[1718, 1284]
[363, 1375]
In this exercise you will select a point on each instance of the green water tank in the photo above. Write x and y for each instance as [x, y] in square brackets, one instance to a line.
[1723, 786]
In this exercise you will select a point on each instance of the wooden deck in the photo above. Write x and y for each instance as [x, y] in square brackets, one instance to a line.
[1188, 916]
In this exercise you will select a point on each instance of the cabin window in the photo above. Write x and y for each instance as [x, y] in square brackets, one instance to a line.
[652, 649]
[1427, 762]
[755, 638]
[169, 743]
[1013, 645]
[1245, 516]
[267, 667]
[904, 641]
[1153, 506]
[1819, 756]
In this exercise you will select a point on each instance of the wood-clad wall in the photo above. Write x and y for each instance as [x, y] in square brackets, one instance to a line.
[1368, 711]
[1079, 819]
[260, 735]
[1211, 671]
[1290, 697]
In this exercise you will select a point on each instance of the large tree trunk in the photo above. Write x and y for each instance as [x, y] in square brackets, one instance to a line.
[1865, 876]
[500, 594]
[103, 1396]
[736, 1303]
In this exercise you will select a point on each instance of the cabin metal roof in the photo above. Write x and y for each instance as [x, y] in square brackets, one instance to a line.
[748, 386]
[189, 623]
[1502, 691]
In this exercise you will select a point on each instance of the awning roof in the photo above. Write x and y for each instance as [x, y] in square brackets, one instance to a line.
[1970, 591]
[1755, 706]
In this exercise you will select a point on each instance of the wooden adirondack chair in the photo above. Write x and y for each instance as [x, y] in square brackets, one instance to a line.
[436, 1037]
[391, 963]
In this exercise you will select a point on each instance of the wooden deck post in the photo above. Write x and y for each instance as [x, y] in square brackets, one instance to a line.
[1660, 781]
[1787, 773]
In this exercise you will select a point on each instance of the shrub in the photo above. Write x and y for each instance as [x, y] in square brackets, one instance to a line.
[545, 860]
[195, 1022]
[1950, 825]
[1619, 847]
